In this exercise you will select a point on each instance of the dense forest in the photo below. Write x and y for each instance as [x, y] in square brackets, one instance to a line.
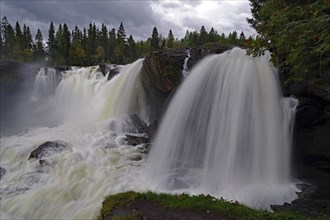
[94, 45]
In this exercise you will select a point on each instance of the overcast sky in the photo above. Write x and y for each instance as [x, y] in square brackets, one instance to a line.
[138, 16]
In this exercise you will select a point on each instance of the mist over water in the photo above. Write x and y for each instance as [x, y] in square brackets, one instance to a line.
[227, 132]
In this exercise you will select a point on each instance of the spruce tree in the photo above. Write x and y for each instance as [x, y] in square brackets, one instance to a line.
[154, 39]
[38, 46]
[51, 42]
[66, 42]
[170, 39]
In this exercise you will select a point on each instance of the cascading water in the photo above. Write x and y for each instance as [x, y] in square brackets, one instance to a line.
[45, 83]
[97, 161]
[227, 133]
[185, 71]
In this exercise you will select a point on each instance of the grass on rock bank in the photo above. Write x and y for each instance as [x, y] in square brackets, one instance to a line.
[204, 203]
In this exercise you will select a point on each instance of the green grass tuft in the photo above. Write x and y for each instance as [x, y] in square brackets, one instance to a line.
[201, 202]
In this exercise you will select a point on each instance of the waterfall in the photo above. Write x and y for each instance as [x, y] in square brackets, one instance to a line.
[72, 183]
[185, 71]
[84, 94]
[227, 132]
[45, 83]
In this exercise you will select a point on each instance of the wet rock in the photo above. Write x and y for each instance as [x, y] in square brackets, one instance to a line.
[136, 140]
[135, 157]
[109, 68]
[2, 172]
[47, 149]
[151, 129]
[128, 124]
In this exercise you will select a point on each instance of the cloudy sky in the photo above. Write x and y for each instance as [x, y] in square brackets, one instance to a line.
[138, 16]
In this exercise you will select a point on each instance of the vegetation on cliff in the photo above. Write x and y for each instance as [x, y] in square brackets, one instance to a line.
[298, 35]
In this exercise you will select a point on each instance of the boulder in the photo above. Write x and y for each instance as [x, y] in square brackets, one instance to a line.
[128, 124]
[47, 149]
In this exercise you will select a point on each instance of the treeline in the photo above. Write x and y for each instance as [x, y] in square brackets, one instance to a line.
[94, 45]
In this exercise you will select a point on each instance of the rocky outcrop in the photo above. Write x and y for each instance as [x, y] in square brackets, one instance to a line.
[162, 73]
[162, 69]
[47, 149]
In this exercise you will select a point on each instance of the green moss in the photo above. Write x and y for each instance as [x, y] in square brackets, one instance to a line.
[115, 201]
[201, 202]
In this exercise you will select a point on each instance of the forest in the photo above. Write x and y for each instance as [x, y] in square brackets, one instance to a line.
[94, 45]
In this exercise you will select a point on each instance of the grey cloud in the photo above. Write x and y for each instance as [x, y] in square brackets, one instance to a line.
[138, 17]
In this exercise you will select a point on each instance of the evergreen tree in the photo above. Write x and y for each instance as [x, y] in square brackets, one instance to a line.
[212, 35]
[154, 39]
[19, 36]
[120, 50]
[51, 42]
[59, 60]
[170, 39]
[39, 51]
[112, 45]
[203, 36]
[66, 42]
[104, 42]
[131, 50]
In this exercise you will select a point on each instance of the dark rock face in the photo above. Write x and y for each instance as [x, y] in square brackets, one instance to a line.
[48, 148]
[309, 112]
[198, 53]
[2, 172]
[311, 148]
[163, 69]
[136, 140]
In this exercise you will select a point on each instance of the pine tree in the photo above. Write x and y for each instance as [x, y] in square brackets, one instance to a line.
[170, 39]
[154, 39]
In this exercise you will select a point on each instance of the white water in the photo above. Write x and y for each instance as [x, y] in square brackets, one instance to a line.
[219, 105]
[227, 132]
[97, 161]
[185, 71]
